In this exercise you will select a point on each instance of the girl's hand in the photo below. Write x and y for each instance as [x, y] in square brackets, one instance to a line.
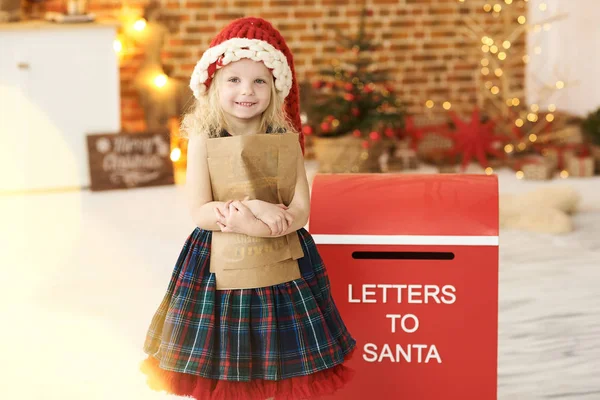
[222, 211]
[235, 217]
[275, 216]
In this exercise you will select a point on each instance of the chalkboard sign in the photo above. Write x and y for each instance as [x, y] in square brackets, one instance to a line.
[127, 160]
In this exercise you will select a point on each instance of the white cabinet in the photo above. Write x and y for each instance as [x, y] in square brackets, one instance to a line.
[58, 83]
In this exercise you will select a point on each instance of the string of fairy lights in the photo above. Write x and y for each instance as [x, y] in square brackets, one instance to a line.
[495, 73]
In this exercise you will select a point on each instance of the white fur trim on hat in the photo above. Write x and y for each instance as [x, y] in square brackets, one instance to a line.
[235, 49]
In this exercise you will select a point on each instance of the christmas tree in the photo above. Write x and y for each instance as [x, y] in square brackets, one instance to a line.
[355, 97]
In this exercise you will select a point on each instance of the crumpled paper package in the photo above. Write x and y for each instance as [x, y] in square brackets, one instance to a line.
[263, 167]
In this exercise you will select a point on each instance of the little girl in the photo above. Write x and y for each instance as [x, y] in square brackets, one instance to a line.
[248, 313]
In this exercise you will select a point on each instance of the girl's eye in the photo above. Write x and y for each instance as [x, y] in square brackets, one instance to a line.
[233, 80]
[260, 81]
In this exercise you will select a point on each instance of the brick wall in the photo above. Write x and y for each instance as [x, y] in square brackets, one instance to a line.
[421, 41]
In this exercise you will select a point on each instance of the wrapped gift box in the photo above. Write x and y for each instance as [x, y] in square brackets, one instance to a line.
[536, 168]
[581, 166]
[403, 158]
[558, 156]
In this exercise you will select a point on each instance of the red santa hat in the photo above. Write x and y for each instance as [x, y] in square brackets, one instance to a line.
[258, 40]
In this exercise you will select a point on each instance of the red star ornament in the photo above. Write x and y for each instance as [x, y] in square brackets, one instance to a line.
[474, 139]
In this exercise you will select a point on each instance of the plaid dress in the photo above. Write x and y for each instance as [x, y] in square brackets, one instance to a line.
[284, 333]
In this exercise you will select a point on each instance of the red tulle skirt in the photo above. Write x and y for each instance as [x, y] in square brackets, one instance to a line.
[313, 386]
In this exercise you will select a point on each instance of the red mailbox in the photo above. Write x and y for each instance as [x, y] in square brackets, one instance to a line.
[413, 263]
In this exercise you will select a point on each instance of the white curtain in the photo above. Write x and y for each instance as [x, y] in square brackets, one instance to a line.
[567, 50]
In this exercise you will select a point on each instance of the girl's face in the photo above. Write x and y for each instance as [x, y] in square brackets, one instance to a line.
[245, 90]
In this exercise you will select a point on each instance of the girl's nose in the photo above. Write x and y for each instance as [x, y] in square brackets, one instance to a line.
[248, 90]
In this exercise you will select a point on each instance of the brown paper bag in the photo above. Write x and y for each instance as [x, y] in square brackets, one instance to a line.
[263, 167]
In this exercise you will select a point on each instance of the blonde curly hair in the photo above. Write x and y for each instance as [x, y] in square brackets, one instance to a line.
[206, 117]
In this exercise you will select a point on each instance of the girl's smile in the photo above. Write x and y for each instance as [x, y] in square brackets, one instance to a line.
[244, 104]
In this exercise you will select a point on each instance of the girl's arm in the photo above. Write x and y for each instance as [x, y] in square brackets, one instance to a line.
[299, 208]
[238, 218]
[274, 215]
[197, 186]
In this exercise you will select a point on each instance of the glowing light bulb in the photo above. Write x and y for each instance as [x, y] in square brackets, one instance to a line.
[494, 49]
[502, 55]
[160, 80]
[447, 105]
[516, 102]
[117, 46]
[560, 84]
[506, 44]
[485, 62]
[532, 137]
[508, 148]
[564, 174]
[487, 8]
[495, 90]
[522, 20]
[489, 171]
[175, 154]
[519, 174]
[140, 24]
[485, 71]
[519, 122]
[429, 103]
[508, 1]
[497, 8]
[498, 72]
[551, 107]
[550, 117]
[485, 48]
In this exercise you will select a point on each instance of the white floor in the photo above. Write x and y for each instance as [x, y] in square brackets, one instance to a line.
[81, 274]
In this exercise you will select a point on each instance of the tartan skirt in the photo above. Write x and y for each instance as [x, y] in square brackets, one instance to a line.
[286, 341]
